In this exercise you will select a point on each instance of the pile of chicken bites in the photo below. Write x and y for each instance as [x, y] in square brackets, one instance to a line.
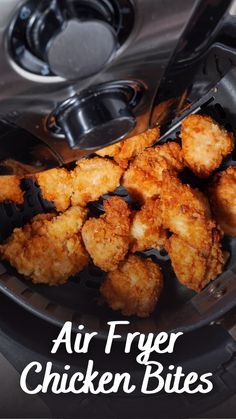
[188, 223]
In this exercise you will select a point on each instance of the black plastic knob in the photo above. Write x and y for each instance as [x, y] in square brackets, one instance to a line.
[73, 48]
[96, 121]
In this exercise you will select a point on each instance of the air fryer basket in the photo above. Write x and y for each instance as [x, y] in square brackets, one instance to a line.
[79, 300]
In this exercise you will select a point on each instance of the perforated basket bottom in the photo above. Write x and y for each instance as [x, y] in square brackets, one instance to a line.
[79, 300]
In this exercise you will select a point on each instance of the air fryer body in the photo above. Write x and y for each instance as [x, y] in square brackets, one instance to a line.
[37, 102]
[39, 116]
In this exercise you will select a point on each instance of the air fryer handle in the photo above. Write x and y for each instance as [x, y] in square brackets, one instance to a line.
[183, 82]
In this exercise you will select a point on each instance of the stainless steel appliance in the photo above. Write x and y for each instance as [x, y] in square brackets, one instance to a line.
[76, 75]
[80, 74]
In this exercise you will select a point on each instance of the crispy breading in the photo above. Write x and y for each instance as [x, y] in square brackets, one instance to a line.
[10, 189]
[186, 212]
[147, 227]
[139, 184]
[134, 288]
[56, 186]
[167, 156]
[143, 179]
[92, 178]
[107, 238]
[87, 182]
[49, 249]
[191, 267]
[205, 144]
[126, 150]
[111, 150]
[64, 225]
[117, 214]
[135, 145]
[222, 192]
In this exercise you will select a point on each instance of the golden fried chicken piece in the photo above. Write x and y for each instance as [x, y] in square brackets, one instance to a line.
[205, 144]
[107, 238]
[56, 186]
[10, 189]
[222, 193]
[147, 227]
[92, 178]
[139, 184]
[126, 150]
[87, 182]
[134, 288]
[110, 151]
[49, 249]
[132, 147]
[186, 213]
[167, 156]
[191, 267]
[143, 179]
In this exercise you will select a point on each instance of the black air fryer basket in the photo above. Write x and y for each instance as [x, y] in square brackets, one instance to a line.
[79, 300]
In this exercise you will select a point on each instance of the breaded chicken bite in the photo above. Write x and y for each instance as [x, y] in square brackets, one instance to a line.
[134, 287]
[93, 178]
[49, 249]
[87, 182]
[110, 151]
[107, 238]
[191, 267]
[139, 184]
[205, 144]
[222, 194]
[143, 179]
[126, 150]
[56, 186]
[147, 227]
[186, 213]
[10, 189]
[132, 147]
